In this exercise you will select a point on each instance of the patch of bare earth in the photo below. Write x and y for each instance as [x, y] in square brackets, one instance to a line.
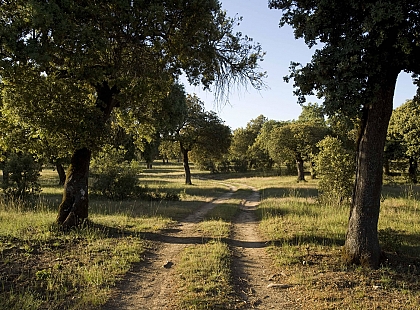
[256, 285]
[151, 285]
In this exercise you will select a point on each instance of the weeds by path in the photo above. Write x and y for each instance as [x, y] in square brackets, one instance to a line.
[306, 242]
[44, 268]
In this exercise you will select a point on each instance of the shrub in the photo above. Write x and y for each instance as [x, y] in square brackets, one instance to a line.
[114, 177]
[335, 167]
[21, 176]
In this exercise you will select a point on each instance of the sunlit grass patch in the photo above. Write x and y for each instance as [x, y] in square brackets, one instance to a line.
[204, 277]
[225, 211]
[214, 229]
[43, 267]
[306, 245]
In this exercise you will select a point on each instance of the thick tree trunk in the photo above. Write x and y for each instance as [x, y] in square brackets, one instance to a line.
[74, 207]
[61, 173]
[362, 244]
[5, 177]
[186, 166]
[299, 166]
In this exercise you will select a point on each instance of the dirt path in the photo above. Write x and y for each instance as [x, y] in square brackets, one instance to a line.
[150, 286]
[255, 282]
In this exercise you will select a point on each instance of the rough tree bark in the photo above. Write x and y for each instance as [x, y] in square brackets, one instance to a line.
[61, 173]
[362, 243]
[73, 209]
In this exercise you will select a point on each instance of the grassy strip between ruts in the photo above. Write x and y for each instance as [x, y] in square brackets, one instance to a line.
[205, 269]
[204, 277]
[306, 244]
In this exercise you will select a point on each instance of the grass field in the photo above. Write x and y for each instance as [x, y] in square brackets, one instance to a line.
[44, 268]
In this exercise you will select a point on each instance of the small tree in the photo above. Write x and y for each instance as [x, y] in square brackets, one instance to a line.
[295, 141]
[335, 167]
[202, 132]
[244, 150]
[23, 176]
[113, 176]
[404, 135]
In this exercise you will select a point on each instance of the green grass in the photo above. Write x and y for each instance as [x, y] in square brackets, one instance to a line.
[205, 283]
[306, 242]
[41, 267]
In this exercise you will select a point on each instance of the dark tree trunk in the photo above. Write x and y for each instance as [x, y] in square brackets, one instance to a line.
[362, 244]
[386, 166]
[61, 173]
[299, 166]
[186, 166]
[313, 171]
[74, 207]
[412, 169]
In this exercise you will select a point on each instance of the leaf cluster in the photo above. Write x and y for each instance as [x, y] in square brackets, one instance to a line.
[404, 128]
[362, 45]
[335, 167]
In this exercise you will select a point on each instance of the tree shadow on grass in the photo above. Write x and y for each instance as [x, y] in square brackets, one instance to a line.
[401, 191]
[293, 192]
[307, 240]
[169, 236]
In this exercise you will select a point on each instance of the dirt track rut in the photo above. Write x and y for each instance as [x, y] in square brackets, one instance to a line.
[257, 286]
[151, 284]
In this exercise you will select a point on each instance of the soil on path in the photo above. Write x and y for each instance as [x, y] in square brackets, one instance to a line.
[255, 283]
[151, 285]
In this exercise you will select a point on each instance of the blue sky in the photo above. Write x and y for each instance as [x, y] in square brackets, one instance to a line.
[277, 101]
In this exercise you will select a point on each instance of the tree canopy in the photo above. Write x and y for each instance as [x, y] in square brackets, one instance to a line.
[69, 67]
[243, 150]
[404, 129]
[296, 142]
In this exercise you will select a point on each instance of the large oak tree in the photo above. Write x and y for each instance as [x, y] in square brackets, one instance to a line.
[365, 44]
[69, 67]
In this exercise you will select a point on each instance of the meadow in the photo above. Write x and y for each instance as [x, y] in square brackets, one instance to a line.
[42, 267]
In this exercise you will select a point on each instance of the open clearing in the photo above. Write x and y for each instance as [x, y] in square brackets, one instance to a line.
[235, 242]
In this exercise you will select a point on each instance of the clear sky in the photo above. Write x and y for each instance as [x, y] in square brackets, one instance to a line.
[277, 101]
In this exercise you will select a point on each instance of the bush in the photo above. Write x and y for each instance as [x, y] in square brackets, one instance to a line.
[114, 177]
[117, 179]
[21, 177]
[156, 194]
[335, 167]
